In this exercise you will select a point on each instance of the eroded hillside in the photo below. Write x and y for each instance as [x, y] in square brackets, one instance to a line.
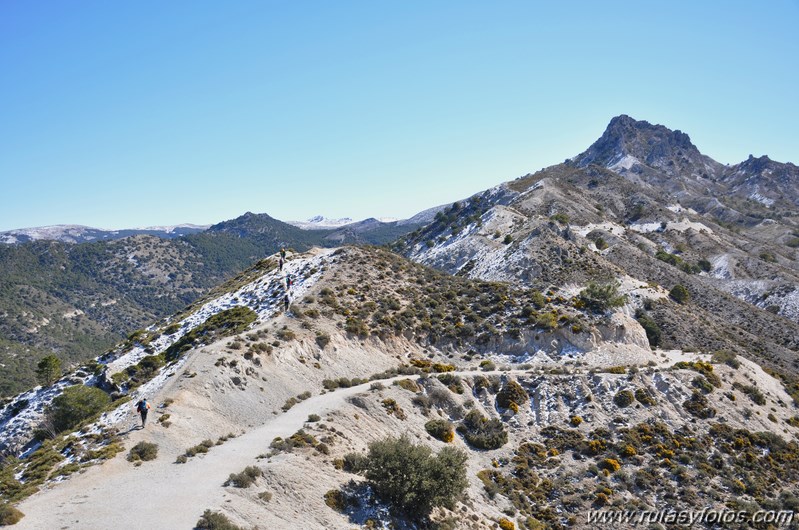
[559, 407]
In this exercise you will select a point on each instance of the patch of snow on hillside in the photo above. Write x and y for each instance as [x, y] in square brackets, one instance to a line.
[646, 227]
[720, 267]
[679, 226]
[678, 208]
[613, 228]
[767, 294]
[624, 163]
[751, 291]
[761, 199]
[263, 295]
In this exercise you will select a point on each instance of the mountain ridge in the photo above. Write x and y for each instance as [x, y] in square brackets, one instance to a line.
[614, 404]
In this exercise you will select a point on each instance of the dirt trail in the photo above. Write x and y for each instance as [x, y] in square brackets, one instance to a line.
[164, 495]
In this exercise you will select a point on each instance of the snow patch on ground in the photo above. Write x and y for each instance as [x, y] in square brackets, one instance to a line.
[264, 295]
[761, 199]
[679, 226]
[624, 163]
[767, 294]
[721, 267]
[613, 228]
[678, 208]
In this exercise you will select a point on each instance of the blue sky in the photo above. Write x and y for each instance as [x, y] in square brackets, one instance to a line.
[123, 114]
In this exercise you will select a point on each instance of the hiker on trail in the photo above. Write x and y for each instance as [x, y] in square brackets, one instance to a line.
[142, 407]
[283, 253]
[289, 282]
[281, 264]
[286, 301]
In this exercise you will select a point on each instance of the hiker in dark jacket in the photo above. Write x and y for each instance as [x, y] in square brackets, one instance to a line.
[142, 407]
[286, 301]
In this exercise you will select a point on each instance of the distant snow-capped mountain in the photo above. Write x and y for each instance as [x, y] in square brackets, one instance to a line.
[321, 222]
[84, 234]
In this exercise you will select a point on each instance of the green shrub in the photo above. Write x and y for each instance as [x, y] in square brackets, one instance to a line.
[202, 447]
[393, 408]
[246, 478]
[506, 524]
[651, 328]
[702, 384]
[623, 398]
[290, 402]
[354, 462]
[512, 392]
[508, 239]
[286, 335]
[726, 357]
[442, 368]
[411, 479]
[547, 320]
[697, 405]
[336, 500]
[265, 496]
[488, 366]
[452, 382]
[143, 451]
[215, 521]
[609, 464]
[322, 339]
[9, 515]
[680, 294]
[408, 385]
[440, 430]
[482, 433]
[561, 218]
[599, 297]
[706, 369]
[644, 397]
[223, 324]
[313, 418]
[76, 404]
[753, 392]
[356, 326]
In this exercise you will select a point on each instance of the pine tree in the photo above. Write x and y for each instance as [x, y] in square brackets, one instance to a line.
[48, 370]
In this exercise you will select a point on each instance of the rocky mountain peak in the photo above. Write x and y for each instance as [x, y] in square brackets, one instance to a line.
[765, 180]
[626, 139]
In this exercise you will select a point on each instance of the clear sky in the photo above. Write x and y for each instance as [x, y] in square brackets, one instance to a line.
[125, 114]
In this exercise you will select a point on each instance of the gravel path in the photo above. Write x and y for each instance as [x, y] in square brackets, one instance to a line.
[164, 495]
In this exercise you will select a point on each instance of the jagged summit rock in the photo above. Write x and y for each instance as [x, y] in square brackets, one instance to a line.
[630, 145]
[764, 180]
